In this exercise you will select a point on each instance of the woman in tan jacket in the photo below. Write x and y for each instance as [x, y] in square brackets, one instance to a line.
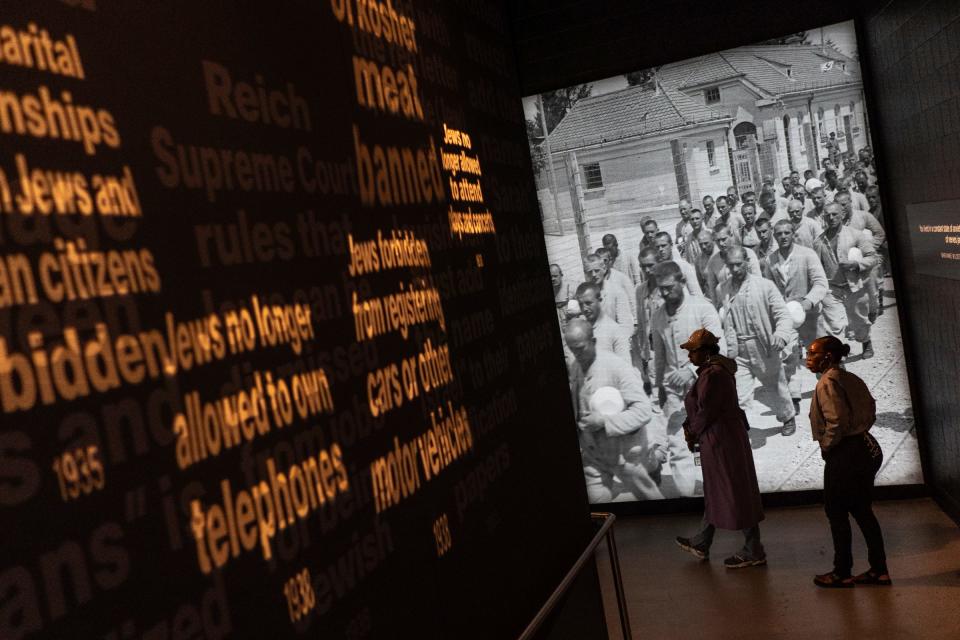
[841, 414]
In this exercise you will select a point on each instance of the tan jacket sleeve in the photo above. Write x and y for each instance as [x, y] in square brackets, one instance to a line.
[835, 410]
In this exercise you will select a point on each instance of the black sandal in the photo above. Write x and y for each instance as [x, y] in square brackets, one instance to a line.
[874, 577]
[833, 580]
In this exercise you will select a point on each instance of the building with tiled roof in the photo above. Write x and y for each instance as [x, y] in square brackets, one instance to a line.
[771, 70]
[715, 121]
[627, 150]
[630, 113]
[785, 101]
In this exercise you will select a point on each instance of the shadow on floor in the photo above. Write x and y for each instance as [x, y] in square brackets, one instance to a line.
[758, 437]
[942, 579]
[900, 422]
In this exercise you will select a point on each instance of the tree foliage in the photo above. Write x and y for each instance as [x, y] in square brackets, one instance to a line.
[800, 37]
[640, 78]
[556, 104]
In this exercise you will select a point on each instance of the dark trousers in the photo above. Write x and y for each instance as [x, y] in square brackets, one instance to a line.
[847, 487]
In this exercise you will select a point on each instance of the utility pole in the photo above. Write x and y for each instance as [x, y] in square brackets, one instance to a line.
[576, 199]
[553, 175]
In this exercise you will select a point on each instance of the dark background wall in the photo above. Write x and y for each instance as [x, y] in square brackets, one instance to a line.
[913, 51]
[910, 52]
[565, 42]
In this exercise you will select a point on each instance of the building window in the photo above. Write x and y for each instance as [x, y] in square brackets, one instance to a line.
[712, 95]
[711, 154]
[680, 169]
[790, 72]
[745, 135]
[800, 135]
[591, 176]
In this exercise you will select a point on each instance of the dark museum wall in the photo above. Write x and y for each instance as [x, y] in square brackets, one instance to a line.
[275, 327]
[564, 42]
[914, 59]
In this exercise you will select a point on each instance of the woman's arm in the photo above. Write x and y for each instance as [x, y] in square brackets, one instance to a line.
[836, 413]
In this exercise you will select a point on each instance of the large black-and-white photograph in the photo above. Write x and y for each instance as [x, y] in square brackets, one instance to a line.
[737, 192]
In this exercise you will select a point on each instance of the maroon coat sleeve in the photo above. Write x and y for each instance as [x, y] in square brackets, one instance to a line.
[714, 388]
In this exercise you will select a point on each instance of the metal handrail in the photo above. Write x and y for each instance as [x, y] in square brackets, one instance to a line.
[605, 531]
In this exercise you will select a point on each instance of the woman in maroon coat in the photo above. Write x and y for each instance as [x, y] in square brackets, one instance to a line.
[716, 422]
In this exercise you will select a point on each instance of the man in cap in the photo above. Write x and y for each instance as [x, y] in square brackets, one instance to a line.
[616, 300]
[810, 185]
[609, 335]
[612, 443]
[679, 315]
[846, 306]
[799, 276]
[719, 427]
[833, 149]
[717, 270]
[758, 329]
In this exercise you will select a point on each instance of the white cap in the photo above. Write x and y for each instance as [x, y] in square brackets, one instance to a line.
[607, 401]
[812, 184]
[797, 314]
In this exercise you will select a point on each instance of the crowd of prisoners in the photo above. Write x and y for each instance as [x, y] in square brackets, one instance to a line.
[768, 272]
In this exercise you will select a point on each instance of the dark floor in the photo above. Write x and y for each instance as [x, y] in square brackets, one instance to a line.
[672, 595]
